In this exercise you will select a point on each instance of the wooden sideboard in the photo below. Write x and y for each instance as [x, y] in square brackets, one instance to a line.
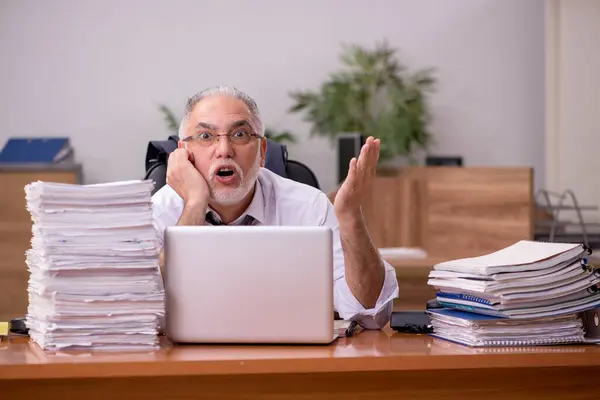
[451, 212]
[15, 231]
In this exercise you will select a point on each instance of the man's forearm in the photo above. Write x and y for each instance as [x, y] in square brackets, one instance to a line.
[365, 272]
[193, 215]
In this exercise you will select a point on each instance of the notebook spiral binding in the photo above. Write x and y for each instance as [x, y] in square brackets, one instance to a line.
[464, 296]
[531, 349]
[592, 269]
[589, 267]
[533, 342]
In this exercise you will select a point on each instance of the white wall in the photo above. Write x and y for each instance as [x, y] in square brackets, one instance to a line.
[573, 106]
[96, 70]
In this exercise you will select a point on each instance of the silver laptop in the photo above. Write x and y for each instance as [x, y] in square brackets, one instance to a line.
[249, 284]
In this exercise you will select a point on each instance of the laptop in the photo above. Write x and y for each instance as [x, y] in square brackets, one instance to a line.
[249, 284]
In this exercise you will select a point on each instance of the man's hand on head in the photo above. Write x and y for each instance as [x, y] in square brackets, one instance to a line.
[186, 180]
[191, 186]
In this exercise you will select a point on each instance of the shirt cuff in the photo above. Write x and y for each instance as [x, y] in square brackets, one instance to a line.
[373, 318]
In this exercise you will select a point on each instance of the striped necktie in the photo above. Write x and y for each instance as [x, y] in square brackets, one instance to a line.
[210, 218]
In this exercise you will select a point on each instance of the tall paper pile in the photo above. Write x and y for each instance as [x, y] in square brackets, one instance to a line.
[94, 267]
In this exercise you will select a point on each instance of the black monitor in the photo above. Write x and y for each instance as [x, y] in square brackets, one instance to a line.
[444, 161]
[349, 146]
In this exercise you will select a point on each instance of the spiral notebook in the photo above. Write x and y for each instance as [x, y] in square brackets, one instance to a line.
[477, 330]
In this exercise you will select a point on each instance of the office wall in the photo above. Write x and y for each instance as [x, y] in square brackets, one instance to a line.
[97, 70]
[573, 85]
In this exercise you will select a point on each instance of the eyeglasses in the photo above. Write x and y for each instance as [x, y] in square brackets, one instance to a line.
[239, 137]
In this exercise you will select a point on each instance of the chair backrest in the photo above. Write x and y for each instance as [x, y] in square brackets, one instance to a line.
[276, 160]
[299, 172]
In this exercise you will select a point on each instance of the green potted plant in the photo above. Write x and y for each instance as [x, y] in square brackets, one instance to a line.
[373, 95]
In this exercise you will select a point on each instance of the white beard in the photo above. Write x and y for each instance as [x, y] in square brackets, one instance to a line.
[229, 196]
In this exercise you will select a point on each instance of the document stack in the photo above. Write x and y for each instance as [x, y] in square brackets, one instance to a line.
[526, 294]
[94, 267]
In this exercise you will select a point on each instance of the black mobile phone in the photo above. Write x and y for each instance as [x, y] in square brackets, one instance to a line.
[411, 322]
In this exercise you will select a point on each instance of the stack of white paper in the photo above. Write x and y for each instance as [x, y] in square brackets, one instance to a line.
[526, 280]
[477, 330]
[94, 266]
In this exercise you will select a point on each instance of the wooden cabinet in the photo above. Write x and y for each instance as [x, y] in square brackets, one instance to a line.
[15, 232]
[451, 212]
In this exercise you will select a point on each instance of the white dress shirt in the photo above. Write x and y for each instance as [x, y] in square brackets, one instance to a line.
[281, 201]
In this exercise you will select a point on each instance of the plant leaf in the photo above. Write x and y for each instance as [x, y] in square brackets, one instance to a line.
[170, 119]
[373, 94]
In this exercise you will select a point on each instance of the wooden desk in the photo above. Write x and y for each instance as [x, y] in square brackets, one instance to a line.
[374, 364]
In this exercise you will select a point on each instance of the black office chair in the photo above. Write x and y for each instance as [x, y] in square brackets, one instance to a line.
[157, 155]
[299, 172]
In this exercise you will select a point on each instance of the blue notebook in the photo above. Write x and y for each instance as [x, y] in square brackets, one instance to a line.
[559, 306]
[35, 150]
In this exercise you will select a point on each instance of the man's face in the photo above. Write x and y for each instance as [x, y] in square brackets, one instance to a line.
[230, 168]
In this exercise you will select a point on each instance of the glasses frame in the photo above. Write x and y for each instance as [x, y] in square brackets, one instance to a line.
[194, 138]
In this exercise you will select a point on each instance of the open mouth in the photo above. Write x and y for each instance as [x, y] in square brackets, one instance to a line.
[225, 172]
[226, 175]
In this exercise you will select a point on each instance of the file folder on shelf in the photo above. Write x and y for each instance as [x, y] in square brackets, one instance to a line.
[39, 150]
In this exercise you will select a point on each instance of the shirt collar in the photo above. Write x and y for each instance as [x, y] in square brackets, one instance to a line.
[256, 209]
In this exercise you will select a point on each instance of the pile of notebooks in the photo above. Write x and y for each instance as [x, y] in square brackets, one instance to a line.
[530, 293]
[94, 274]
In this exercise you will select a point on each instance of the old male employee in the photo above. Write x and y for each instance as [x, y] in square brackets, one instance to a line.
[216, 176]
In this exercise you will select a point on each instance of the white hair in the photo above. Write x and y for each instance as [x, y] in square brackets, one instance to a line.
[256, 122]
